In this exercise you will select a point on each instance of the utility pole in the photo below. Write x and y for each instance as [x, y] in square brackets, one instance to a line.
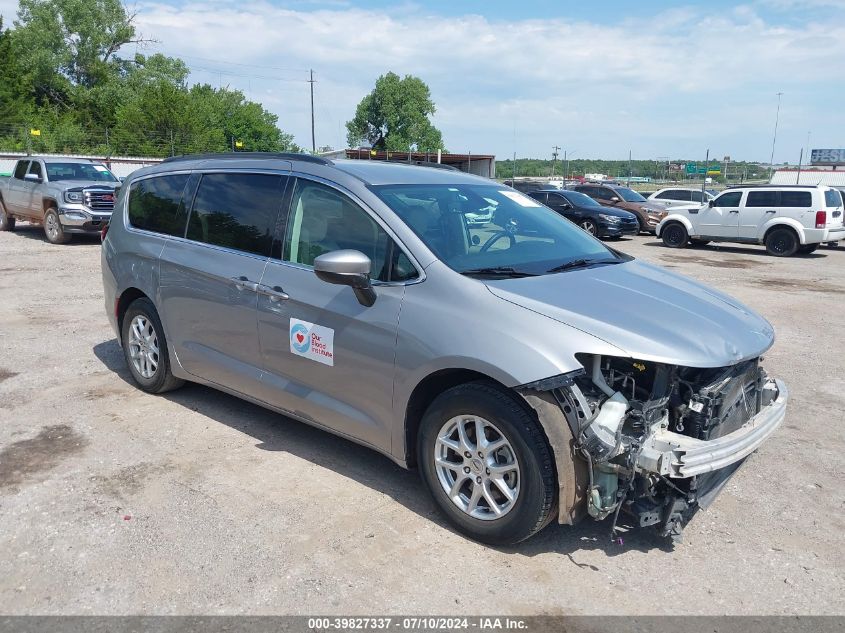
[800, 160]
[629, 168]
[775, 136]
[555, 150]
[565, 166]
[514, 166]
[313, 138]
[704, 178]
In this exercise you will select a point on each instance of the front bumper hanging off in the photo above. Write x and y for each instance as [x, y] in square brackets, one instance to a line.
[679, 456]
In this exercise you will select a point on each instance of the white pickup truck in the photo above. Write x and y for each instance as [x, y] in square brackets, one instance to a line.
[64, 195]
[787, 219]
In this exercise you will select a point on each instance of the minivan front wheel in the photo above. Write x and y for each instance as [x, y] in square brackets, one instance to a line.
[487, 464]
[145, 348]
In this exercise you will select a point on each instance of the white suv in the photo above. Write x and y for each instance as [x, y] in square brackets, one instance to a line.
[680, 196]
[786, 219]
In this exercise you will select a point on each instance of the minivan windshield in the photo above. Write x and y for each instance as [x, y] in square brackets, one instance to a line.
[629, 195]
[522, 238]
[79, 171]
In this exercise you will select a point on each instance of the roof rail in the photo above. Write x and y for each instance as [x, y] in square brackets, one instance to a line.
[771, 186]
[308, 158]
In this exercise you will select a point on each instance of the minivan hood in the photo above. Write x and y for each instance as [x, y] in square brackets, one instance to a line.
[651, 313]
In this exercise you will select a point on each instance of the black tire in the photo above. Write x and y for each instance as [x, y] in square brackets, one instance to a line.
[7, 222]
[807, 249]
[533, 507]
[53, 230]
[589, 226]
[782, 242]
[674, 235]
[700, 242]
[161, 379]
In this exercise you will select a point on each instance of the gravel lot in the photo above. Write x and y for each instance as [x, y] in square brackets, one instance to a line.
[113, 501]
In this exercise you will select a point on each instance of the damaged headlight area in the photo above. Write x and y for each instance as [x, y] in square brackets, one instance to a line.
[660, 441]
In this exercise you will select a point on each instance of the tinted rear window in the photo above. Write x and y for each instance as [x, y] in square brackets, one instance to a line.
[762, 199]
[20, 169]
[796, 199]
[155, 204]
[236, 211]
[832, 198]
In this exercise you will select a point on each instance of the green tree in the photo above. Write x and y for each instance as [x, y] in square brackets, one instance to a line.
[395, 116]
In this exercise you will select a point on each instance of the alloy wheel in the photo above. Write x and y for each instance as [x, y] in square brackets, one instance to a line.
[52, 226]
[477, 467]
[143, 346]
[589, 227]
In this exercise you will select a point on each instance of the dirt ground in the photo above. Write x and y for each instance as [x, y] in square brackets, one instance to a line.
[113, 501]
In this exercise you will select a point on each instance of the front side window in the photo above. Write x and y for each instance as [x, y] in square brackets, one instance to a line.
[796, 199]
[237, 211]
[35, 169]
[603, 193]
[762, 199]
[20, 169]
[79, 171]
[155, 204]
[730, 199]
[323, 220]
[523, 238]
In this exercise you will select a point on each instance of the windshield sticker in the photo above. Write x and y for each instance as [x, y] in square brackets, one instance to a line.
[101, 169]
[312, 341]
[521, 200]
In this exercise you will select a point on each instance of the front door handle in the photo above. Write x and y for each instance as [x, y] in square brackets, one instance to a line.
[734, 210]
[771, 211]
[275, 294]
[242, 283]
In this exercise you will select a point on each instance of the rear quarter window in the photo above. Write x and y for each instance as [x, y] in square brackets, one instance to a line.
[155, 204]
[796, 199]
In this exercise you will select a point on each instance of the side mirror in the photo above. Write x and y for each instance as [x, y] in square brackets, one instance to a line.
[710, 204]
[565, 205]
[32, 177]
[347, 268]
[614, 199]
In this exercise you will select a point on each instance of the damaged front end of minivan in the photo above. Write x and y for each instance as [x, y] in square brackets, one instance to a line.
[653, 440]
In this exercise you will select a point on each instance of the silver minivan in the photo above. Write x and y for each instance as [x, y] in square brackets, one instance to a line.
[530, 372]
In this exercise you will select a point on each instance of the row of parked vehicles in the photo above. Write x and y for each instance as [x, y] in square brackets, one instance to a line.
[454, 324]
[786, 219]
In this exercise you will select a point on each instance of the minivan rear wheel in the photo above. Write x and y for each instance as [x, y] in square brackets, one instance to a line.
[782, 242]
[145, 348]
[674, 235]
[487, 464]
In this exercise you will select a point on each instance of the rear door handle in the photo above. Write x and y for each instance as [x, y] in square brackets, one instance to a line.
[275, 294]
[242, 283]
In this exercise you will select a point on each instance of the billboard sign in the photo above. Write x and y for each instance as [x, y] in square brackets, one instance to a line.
[827, 157]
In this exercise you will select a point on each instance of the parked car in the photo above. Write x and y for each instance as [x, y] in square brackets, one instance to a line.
[527, 376]
[787, 219]
[649, 214]
[65, 195]
[589, 214]
[680, 197]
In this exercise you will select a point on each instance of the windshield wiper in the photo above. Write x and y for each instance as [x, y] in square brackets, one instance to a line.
[582, 263]
[498, 271]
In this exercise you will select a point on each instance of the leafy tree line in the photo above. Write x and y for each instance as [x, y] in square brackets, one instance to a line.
[620, 168]
[61, 72]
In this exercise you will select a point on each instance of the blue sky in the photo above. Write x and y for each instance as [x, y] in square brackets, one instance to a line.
[599, 79]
